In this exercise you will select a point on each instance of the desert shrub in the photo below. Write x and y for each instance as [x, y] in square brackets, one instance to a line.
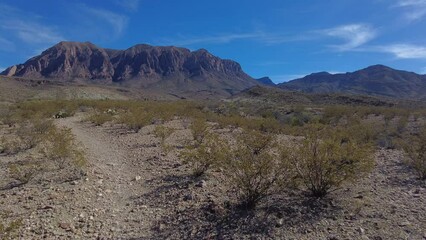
[60, 147]
[24, 171]
[163, 133]
[9, 146]
[199, 130]
[46, 108]
[99, 118]
[254, 170]
[327, 158]
[415, 148]
[206, 154]
[248, 123]
[33, 132]
[9, 231]
[136, 119]
[27, 135]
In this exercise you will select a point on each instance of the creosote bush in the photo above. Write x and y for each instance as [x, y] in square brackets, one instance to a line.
[163, 133]
[327, 158]
[199, 130]
[207, 154]
[136, 119]
[254, 170]
[99, 118]
[24, 171]
[415, 148]
[60, 147]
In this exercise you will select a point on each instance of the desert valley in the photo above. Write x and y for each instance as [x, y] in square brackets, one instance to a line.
[169, 143]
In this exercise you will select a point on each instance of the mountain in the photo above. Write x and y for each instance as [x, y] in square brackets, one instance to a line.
[273, 95]
[266, 81]
[377, 80]
[171, 69]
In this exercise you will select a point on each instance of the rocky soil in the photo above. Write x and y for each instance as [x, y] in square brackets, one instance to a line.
[136, 189]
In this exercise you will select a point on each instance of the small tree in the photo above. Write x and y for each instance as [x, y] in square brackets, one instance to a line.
[416, 151]
[327, 158]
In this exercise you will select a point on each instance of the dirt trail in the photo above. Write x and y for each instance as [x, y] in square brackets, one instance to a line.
[112, 183]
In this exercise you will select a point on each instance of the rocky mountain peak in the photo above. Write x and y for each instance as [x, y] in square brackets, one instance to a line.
[140, 65]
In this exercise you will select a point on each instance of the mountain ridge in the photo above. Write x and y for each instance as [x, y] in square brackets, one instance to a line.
[142, 65]
[375, 80]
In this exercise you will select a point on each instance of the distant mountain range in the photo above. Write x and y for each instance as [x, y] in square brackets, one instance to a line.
[185, 73]
[172, 69]
[375, 80]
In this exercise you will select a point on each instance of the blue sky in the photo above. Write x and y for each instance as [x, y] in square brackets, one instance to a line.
[283, 39]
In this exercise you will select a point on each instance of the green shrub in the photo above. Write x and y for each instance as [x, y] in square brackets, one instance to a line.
[209, 153]
[61, 148]
[163, 133]
[33, 132]
[253, 169]
[99, 118]
[136, 119]
[415, 148]
[327, 158]
[199, 130]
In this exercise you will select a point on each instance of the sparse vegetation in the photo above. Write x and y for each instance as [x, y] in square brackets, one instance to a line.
[254, 170]
[10, 230]
[100, 118]
[209, 153]
[415, 148]
[327, 158]
[61, 148]
[163, 133]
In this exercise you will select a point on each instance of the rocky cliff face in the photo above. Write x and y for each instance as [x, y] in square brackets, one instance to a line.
[141, 65]
[67, 60]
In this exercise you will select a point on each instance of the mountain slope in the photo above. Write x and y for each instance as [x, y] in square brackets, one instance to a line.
[375, 80]
[266, 81]
[172, 69]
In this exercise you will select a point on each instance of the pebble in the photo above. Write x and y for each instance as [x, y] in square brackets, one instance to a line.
[138, 178]
[201, 184]
[404, 223]
[279, 223]
[65, 226]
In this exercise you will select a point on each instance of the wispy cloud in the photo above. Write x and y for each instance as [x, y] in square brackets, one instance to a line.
[32, 32]
[258, 36]
[221, 38]
[354, 35]
[117, 22]
[27, 27]
[403, 51]
[129, 5]
[414, 9]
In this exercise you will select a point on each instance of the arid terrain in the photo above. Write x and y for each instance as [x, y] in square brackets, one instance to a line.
[135, 183]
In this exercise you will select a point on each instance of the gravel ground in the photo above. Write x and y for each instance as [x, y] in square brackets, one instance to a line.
[133, 189]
